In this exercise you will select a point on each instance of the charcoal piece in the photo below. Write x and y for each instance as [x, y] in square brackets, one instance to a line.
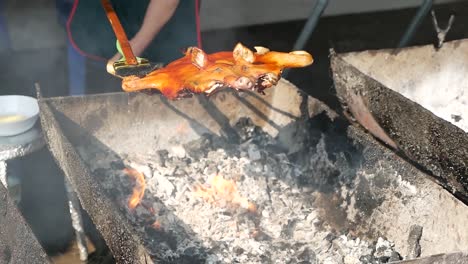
[245, 128]
[368, 259]
[160, 236]
[239, 250]
[273, 149]
[192, 255]
[254, 152]
[198, 149]
[395, 256]
[414, 248]
[456, 118]
[384, 259]
[160, 157]
[288, 229]
[330, 237]
[266, 258]
[307, 256]
[261, 236]
[117, 165]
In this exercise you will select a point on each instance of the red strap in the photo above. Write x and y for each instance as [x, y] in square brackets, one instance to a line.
[70, 37]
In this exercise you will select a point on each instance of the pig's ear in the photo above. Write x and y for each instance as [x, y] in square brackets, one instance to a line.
[242, 53]
[199, 57]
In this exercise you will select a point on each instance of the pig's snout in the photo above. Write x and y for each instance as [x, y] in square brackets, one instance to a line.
[243, 83]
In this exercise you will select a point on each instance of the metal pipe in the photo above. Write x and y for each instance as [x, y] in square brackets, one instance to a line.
[309, 28]
[77, 221]
[417, 19]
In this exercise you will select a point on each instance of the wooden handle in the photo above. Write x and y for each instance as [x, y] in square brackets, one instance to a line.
[119, 33]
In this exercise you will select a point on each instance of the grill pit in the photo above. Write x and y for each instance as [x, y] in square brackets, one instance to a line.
[322, 190]
[285, 226]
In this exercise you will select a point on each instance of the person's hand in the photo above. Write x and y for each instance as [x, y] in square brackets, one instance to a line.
[137, 49]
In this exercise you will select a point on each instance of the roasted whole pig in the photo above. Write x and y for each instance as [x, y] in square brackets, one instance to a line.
[198, 72]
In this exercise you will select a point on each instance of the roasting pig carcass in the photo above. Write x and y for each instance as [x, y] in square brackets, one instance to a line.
[198, 72]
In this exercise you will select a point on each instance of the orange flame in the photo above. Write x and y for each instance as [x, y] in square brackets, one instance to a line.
[223, 190]
[138, 189]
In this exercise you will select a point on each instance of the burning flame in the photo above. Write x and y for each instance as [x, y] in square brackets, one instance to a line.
[223, 190]
[138, 189]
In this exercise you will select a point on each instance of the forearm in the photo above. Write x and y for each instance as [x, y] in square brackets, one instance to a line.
[157, 15]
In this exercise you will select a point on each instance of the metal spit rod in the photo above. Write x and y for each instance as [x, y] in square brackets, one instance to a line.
[308, 28]
[417, 19]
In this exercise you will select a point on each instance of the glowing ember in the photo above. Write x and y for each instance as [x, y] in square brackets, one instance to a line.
[138, 190]
[223, 191]
[156, 225]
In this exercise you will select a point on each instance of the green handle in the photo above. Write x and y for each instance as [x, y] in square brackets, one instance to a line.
[119, 49]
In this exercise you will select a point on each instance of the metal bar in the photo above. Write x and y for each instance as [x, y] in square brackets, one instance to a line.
[77, 221]
[417, 19]
[309, 28]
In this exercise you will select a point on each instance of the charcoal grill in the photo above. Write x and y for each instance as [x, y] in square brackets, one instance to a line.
[390, 197]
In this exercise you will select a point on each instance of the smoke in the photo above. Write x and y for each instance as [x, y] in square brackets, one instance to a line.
[36, 49]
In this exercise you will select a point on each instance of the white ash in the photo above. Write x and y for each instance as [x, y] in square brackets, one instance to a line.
[178, 225]
[445, 101]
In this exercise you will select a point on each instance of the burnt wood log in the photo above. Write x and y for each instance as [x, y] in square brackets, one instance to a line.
[435, 145]
[17, 241]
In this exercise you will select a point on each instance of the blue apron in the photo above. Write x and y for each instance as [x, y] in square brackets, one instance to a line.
[93, 34]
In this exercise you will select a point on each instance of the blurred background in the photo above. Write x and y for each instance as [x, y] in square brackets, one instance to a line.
[33, 48]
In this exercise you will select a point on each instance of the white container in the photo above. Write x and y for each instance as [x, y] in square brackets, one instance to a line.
[18, 114]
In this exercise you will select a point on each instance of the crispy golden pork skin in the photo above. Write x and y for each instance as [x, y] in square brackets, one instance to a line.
[198, 72]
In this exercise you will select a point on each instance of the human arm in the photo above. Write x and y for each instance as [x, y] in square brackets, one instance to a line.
[157, 15]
